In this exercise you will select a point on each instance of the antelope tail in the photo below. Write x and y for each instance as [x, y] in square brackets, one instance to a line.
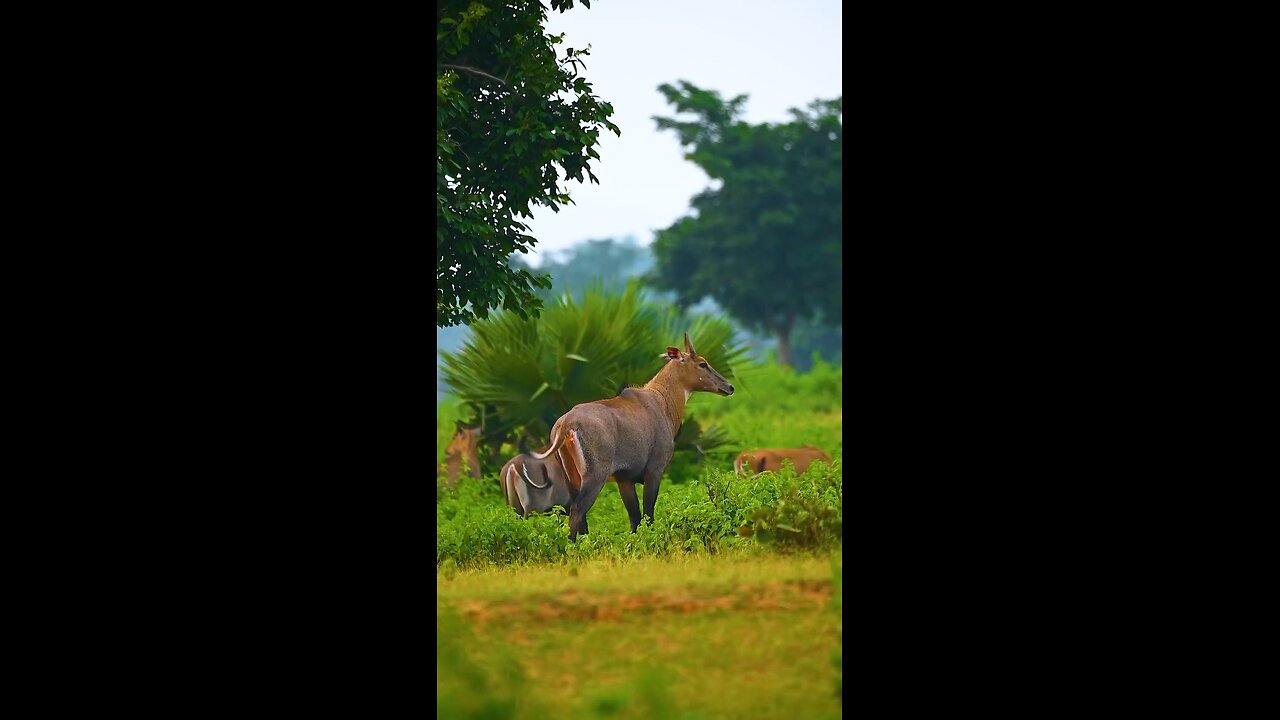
[574, 461]
[524, 469]
[737, 466]
[556, 441]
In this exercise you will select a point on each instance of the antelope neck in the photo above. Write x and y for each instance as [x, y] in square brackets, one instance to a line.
[674, 395]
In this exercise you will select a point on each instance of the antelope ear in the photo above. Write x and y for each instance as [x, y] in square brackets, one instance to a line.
[459, 426]
[688, 346]
[673, 353]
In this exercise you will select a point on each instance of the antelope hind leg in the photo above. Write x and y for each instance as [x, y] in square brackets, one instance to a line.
[627, 489]
[581, 504]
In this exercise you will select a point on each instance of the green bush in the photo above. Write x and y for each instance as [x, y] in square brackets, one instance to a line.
[804, 513]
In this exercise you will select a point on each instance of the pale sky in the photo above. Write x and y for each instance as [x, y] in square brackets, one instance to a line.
[780, 53]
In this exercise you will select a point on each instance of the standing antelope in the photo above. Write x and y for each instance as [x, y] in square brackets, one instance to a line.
[462, 448]
[630, 436]
[762, 459]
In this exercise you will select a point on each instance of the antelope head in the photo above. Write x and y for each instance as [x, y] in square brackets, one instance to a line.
[695, 373]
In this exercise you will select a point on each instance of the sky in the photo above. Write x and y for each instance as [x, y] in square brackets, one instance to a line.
[780, 53]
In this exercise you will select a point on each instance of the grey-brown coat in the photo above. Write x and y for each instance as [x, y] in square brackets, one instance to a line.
[630, 436]
[762, 459]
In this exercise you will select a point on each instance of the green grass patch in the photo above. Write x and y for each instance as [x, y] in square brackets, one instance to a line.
[711, 516]
[691, 637]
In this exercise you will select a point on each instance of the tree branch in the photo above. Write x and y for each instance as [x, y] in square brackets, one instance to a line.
[473, 70]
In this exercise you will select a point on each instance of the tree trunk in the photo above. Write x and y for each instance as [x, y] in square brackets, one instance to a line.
[784, 342]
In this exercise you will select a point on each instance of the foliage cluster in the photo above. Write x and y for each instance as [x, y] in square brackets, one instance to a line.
[795, 521]
[512, 117]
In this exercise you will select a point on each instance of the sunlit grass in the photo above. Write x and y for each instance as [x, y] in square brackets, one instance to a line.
[631, 575]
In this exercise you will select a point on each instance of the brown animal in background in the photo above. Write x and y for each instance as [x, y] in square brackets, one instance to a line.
[762, 459]
[631, 436]
[461, 449]
[533, 485]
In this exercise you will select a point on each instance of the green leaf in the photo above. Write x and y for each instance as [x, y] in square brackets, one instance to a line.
[573, 356]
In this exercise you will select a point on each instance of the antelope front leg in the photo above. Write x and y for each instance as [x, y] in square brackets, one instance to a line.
[627, 489]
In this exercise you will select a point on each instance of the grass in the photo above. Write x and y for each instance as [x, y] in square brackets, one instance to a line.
[687, 637]
[474, 527]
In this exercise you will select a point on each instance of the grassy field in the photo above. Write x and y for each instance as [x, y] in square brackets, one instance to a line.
[692, 637]
[727, 605]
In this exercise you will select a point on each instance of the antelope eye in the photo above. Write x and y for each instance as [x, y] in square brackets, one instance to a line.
[702, 364]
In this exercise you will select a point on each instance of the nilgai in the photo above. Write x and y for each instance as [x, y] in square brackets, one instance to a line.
[461, 449]
[762, 459]
[533, 485]
[630, 436]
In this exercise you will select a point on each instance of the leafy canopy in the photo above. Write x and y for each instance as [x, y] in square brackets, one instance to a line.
[512, 118]
[765, 244]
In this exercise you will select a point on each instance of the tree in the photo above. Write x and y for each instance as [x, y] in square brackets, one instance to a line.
[511, 117]
[765, 244]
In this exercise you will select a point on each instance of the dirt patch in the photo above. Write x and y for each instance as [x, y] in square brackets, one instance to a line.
[613, 607]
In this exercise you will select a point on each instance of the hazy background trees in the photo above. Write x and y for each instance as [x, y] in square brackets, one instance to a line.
[512, 115]
[607, 261]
